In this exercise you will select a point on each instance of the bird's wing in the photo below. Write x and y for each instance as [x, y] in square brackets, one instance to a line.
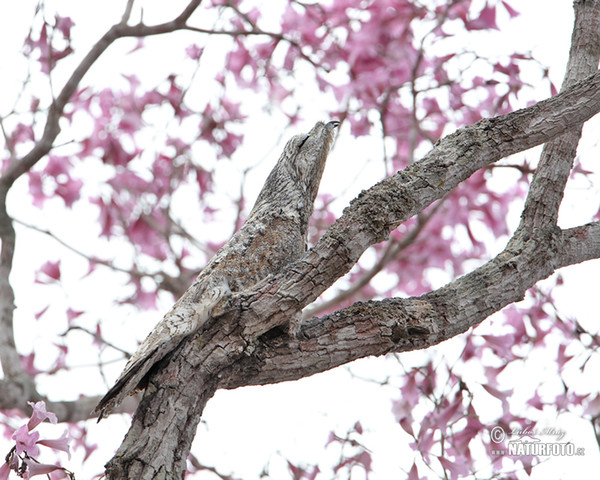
[182, 320]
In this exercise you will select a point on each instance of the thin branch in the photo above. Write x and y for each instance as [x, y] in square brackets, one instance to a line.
[254, 32]
[9, 147]
[127, 14]
[134, 272]
[393, 249]
[97, 337]
[11, 363]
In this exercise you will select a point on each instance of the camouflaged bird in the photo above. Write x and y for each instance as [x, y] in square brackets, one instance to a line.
[273, 236]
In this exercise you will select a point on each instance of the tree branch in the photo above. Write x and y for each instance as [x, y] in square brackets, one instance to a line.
[393, 249]
[11, 363]
[556, 161]
[376, 212]
[237, 339]
[396, 325]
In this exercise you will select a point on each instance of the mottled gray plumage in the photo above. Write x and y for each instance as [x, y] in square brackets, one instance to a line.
[273, 236]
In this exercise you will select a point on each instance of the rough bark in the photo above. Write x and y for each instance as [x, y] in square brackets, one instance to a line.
[247, 345]
[273, 236]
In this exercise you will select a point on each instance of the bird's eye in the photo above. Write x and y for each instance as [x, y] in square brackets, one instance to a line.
[302, 142]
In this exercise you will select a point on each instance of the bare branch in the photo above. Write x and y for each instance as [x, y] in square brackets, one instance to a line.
[11, 363]
[580, 244]
[127, 14]
[393, 249]
[556, 161]
[13, 395]
[259, 32]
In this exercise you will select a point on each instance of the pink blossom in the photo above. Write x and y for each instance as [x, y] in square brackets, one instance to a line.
[48, 56]
[64, 25]
[151, 241]
[26, 441]
[27, 361]
[36, 188]
[35, 468]
[72, 314]
[40, 414]
[485, 20]
[500, 395]
[61, 443]
[237, 59]
[78, 433]
[359, 125]
[50, 270]
[413, 474]
[39, 314]
[107, 217]
[57, 165]
[457, 469]
[511, 11]
[69, 190]
[536, 401]
[462, 438]
[4, 470]
[98, 336]
[61, 360]
[21, 133]
[145, 299]
[194, 51]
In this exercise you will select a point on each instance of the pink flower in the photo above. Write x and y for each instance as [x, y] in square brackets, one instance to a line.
[61, 443]
[69, 190]
[36, 188]
[26, 441]
[4, 471]
[486, 20]
[39, 415]
[64, 24]
[51, 270]
[194, 52]
[34, 468]
[72, 315]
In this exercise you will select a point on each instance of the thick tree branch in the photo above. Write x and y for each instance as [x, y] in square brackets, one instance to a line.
[244, 324]
[376, 212]
[579, 245]
[397, 324]
[556, 161]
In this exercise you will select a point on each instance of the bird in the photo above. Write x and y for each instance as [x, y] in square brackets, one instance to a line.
[273, 236]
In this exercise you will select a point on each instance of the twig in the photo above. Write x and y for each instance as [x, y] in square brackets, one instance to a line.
[133, 271]
[392, 250]
[97, 337]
